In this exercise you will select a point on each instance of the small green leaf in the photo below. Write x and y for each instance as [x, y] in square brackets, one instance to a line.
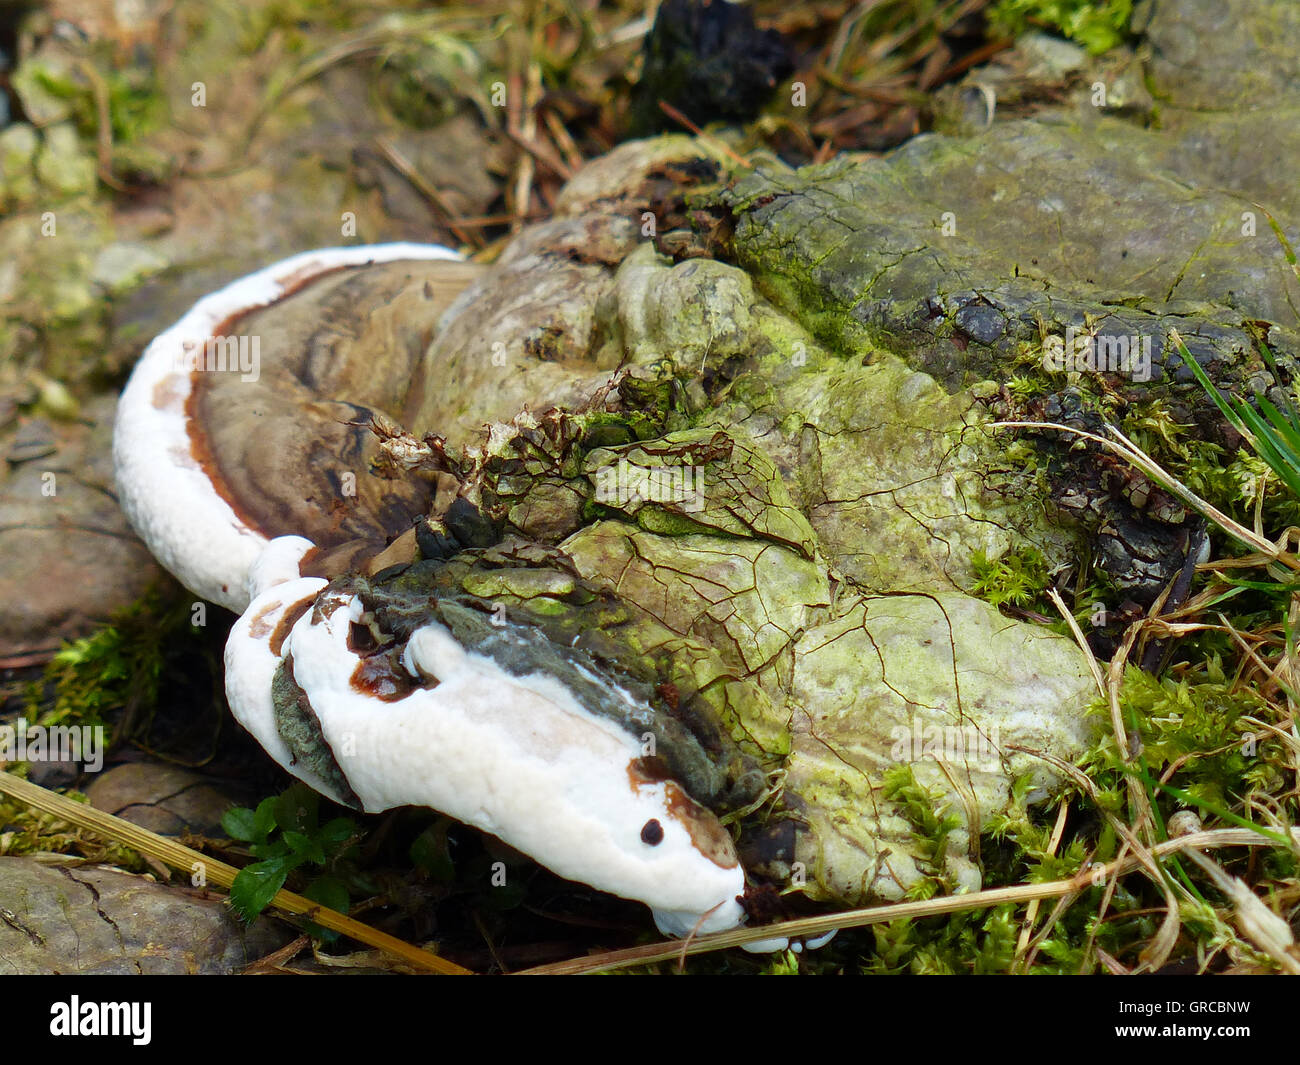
[264, 819]
[335, 834]
[240, 823]
[272, 849]
[332, 893]
[429, 851]
[305, 846]
[329, 891]
[506, 897]
[296, 809]
[256, 885]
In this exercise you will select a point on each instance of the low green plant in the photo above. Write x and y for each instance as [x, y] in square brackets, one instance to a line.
[117, 667]
[134, 101]
[285, 834]
[26, 830]
[978, 941]
[1198, 728]
[1273, 433]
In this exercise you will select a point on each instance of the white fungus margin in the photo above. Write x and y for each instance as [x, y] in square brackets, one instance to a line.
[165, 492]
[518, 757]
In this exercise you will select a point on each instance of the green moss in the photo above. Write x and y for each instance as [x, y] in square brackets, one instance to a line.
[134, 98]
[289, 18]
[656, 519]
[1195, 732]
[25, 830]
[931, 824]
[424, 80]
[1098, 25]
[783, 281]
[121, 668]
[1019, 578]
[1197, 727]
[980, 942]
[607, 430]
[545, 606]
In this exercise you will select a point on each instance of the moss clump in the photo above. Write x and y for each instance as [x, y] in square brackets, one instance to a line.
[979, 942]
[1098, 25]
[931, 824]
[1018, 578]
[24, 830]
[115, 677]
[669, 523]
[1195, 733]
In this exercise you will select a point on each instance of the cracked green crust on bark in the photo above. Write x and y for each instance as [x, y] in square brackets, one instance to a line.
[770, 537]
[875, 686]
[778, 504]
[962, 254]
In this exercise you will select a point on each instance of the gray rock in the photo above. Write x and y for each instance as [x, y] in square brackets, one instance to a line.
[66, 919]
[68, 559]
[1224, 54]
[64, 165]
[162, 798]
[34, 440]
[122, 266]
[19, 144]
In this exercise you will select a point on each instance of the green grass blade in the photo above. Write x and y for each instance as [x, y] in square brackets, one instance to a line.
[1279, 447]
[1287, 250]
[1269, 361]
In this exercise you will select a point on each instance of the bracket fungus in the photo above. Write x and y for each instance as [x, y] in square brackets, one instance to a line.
[698, 566]
[255, 484]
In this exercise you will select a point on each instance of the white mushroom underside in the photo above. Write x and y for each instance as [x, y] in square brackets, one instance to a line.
[251, 666]
[167, 495]
[514, 756]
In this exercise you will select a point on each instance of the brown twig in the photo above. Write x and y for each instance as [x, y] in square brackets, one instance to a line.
[672, 112]
[399, 162]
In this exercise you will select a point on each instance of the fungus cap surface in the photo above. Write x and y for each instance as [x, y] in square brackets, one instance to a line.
[166, 490]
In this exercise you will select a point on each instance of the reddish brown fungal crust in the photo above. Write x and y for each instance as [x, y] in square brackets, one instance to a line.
[167, 393]
[259, 626]
[378, 677]
[651, 770]
[326, 603]
[299, 279]
[202, 454]
[706, 831]
[287, 621]
[350, 556]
